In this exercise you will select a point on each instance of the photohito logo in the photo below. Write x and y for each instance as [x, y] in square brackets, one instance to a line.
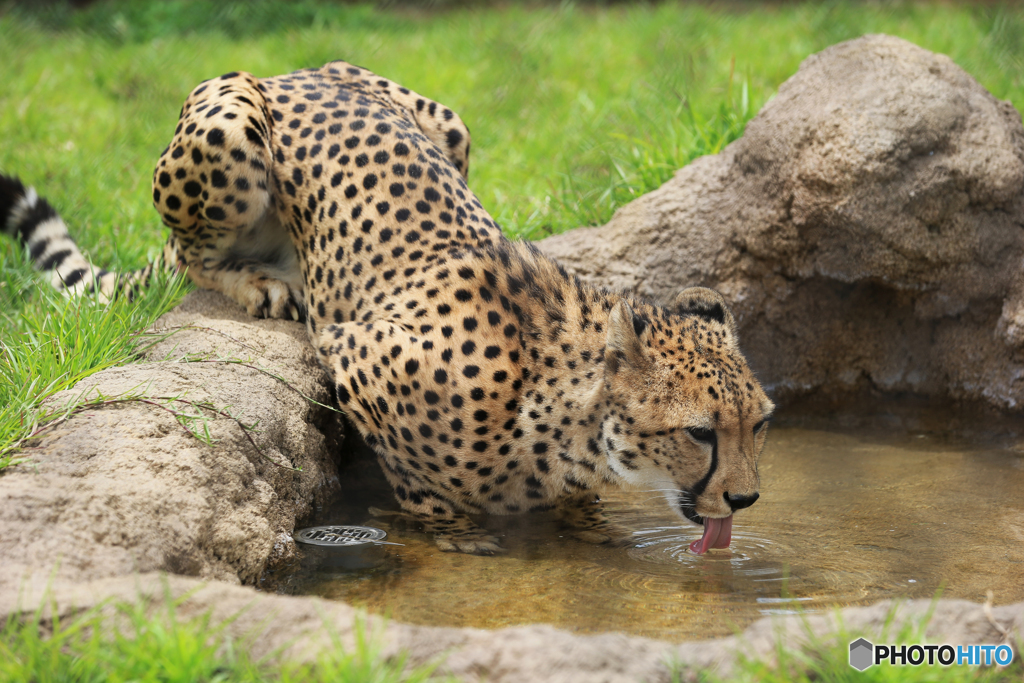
[863, 654]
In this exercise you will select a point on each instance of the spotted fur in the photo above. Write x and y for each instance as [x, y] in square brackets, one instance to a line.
[484, 376]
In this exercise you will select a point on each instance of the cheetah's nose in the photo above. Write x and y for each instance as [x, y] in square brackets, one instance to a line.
[740, 502]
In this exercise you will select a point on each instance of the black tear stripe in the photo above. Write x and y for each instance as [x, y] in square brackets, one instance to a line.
[701, 485]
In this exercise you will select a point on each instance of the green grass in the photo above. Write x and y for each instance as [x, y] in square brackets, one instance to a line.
[574, 109]
[143, 641]
[48, 343]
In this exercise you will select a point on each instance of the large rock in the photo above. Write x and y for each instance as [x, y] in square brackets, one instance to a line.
[123, 488]
[867, 228]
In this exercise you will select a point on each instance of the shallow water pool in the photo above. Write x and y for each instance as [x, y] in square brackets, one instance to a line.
[852, 510]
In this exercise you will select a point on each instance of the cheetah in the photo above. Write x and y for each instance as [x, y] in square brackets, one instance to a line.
[485, 377]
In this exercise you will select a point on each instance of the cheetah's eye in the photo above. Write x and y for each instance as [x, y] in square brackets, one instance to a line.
[760, 425]
[702, 435]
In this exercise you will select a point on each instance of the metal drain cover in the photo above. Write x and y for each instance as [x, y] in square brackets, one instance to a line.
[341, 536]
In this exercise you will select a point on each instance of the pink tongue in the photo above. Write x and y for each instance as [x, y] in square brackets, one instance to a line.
[717, 534]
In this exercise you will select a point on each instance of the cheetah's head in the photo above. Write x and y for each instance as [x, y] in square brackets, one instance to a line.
[686, 415]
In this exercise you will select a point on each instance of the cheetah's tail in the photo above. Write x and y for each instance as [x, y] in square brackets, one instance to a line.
[30, 219]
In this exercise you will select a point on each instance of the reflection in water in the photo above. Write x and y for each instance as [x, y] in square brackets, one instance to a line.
[846, 516]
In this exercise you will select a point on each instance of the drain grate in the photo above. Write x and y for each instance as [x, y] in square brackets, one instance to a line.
[342, 536]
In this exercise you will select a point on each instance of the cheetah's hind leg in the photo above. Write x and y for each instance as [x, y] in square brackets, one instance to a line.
[587, 517]
[213, 188]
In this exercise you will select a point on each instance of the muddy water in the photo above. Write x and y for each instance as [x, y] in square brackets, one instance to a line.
[851, 511]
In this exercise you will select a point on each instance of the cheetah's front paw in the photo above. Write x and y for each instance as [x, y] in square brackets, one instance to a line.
[614, 538]
[267, 297]
[587, 519]
[471, 543]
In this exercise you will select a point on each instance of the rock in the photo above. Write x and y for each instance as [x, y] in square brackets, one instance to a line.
[867, 229]
[298, 629]
[124, 488]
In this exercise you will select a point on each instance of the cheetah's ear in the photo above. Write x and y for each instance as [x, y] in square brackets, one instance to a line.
[710, 305]
[628, 334]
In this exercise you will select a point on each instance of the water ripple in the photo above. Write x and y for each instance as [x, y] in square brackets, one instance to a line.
[667, 545]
